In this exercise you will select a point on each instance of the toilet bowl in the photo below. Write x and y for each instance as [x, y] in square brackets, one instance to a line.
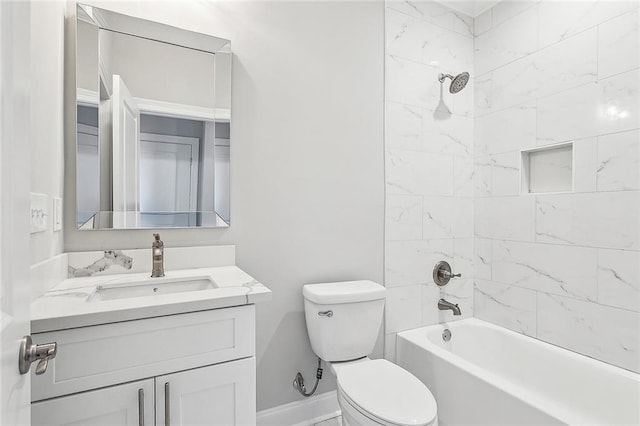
[378, 392]
[343, 321]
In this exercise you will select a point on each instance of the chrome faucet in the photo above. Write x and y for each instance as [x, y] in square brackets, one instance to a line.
[443, 305]
[157, 257]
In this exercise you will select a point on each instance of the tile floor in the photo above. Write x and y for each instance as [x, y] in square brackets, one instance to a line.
[335, 421]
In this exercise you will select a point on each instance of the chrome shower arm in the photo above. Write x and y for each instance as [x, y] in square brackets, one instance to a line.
[442, 76]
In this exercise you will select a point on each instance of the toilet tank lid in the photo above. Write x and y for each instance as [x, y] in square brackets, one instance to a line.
[343, 292]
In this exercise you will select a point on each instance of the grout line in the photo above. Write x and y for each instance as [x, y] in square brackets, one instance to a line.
[597, 278]
[535, 219]
[422, 217]
[595, 172]
[554, 244]
[537, 314]
[598, 53]
[384, 155]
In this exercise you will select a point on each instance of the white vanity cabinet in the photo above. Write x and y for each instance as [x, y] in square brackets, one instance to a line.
[194, 368]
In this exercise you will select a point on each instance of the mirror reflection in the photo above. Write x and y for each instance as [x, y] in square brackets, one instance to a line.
[153, 120]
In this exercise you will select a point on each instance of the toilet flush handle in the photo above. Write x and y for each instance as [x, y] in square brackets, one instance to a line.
[326, 313]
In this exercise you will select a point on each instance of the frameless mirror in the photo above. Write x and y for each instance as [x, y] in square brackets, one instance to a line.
[152, 128]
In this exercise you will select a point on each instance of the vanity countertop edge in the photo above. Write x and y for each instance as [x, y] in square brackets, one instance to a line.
[66, 305]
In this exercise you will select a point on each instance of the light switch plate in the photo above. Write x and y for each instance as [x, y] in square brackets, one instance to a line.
[57, 213]
[39, 212]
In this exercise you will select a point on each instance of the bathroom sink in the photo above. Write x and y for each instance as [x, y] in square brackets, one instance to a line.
[150, 287]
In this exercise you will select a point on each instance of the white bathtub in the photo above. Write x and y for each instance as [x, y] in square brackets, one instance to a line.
[488, 375]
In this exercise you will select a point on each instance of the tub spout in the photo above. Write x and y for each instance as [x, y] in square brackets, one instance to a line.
[443, 305]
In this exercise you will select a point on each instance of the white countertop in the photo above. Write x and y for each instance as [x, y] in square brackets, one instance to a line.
[68, 305]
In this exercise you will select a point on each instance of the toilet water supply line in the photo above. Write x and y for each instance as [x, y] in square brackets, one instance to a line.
[298, 382]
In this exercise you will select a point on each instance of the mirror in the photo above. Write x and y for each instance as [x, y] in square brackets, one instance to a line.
[153, 124]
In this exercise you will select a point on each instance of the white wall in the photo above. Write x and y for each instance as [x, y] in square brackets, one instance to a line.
[307, 156]
[429, 164]
[564, 268]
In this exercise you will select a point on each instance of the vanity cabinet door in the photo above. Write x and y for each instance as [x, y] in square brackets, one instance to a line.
[130, 404]
[222, 394]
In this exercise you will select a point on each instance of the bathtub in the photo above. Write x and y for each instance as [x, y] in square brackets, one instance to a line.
[488, 375]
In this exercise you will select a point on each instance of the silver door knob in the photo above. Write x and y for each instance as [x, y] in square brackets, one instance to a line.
[30, 353]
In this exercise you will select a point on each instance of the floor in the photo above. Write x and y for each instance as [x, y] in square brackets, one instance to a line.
[335, 421]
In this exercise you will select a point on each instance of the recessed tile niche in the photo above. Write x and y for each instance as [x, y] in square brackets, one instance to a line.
[547, 169]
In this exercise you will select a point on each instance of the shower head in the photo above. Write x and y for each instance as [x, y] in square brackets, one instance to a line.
[457, 83]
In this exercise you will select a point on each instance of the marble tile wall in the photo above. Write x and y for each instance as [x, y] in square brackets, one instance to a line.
[428, 164]
[564, 267]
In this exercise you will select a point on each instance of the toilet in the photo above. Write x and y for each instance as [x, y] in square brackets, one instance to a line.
[343, 322]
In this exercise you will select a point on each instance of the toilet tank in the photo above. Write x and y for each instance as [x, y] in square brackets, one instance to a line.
[343, 318]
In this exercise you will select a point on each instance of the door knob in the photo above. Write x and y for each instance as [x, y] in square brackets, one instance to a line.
[30, 353]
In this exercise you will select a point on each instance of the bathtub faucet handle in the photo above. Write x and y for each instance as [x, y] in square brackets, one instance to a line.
[442, 273]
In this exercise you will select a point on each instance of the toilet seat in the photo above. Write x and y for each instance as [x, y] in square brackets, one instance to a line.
[386, 393]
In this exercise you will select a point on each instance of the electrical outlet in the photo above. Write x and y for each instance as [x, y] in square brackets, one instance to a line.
[39, 212]
[57, 213]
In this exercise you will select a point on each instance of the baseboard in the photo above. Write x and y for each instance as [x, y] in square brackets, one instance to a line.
[301, 413]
